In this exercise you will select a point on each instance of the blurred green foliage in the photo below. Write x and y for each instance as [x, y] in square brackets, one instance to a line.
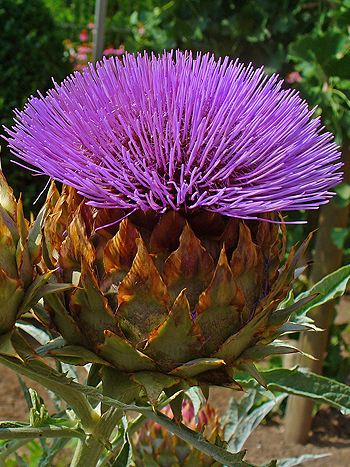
[31, 52]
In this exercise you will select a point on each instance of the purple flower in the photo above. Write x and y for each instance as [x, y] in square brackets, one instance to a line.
[178, 132]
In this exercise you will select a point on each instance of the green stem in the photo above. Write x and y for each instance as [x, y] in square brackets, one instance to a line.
[39, 432]
[196, 440]
[100, 428]
[49, 379]
[133, 426]
[89, 451]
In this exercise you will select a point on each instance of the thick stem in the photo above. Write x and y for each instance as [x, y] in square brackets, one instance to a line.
[77, 401]
[133, 426]
[327, 258]
[89, 451]
[39, 432]
[196, 440]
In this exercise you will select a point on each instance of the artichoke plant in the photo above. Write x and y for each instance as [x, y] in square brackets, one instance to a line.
[175, 171]
[21, 284]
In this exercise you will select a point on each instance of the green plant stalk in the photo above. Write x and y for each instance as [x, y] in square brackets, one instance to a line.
[89, 450]
[196, 440]
[101, 427]
[39, 432]
[98, 428]
[79, 403]
[133, 426]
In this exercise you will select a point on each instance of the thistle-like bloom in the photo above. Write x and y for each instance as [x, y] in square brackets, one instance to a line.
[175, 132]
[180, 292]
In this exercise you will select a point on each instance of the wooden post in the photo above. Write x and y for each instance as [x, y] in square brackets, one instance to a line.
[327, 258]
[100, 16]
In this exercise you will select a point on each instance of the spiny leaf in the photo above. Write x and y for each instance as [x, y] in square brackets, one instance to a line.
[248, 335]
[7, 200]
[289, 328]
[301, 383]
[328, 288]
[22, 223]
[121, 250]
[7, 250]
[34, 238]
[76, 355]
[230, 236]
[6, 346]
[199, 365]
[10, 223]
[287, 273]
[279, 316]
[251, 369]
[54, 225]
[142, 296]
[24, 266]
[122, 355]
[154, 383]
[119, 385]
[166, 234]
[247, 268]
[39, 288]
[90, 307]
[259, 352]
[76, 247]
[216, 317]
[11, 296]
[63, 321]
[175, 340]
[190, 267]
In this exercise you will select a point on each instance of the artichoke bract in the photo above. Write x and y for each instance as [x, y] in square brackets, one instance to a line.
[20, 252]
[190, 296]
[175, 169]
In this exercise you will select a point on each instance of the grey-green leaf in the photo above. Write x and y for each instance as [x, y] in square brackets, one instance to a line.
[292, 461]
[328, 288]
[301, 383]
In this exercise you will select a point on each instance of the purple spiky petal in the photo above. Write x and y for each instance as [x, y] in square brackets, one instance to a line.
[178, 132]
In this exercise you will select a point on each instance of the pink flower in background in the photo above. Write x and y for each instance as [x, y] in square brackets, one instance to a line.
[120, 49]
[293, 77]
[112, 51]
[90, 25]
[84, 35]
[84, 49]
[81, 57]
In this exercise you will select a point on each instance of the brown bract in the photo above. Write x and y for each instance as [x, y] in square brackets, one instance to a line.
[20, 252]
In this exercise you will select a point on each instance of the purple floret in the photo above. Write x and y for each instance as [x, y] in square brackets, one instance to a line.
[178, 132]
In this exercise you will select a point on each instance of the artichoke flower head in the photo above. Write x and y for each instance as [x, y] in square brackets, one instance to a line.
[175, 170]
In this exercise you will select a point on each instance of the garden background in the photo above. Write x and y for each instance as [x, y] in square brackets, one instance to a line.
[305, 42]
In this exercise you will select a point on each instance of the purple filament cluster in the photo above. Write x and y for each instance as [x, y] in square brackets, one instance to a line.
[179, 132]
